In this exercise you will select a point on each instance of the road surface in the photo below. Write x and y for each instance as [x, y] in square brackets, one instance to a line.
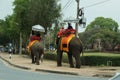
[10, 73]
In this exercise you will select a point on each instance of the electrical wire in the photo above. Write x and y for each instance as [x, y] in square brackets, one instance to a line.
[96, 4]
[67, 5]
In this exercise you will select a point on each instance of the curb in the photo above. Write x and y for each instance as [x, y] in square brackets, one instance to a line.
[58, 72]
[42, 70]
[22, 67]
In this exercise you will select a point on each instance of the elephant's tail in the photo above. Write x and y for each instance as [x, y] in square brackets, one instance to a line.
[82, 53]
[81, 47]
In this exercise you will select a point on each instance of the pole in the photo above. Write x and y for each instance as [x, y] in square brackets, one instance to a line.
[76, 27]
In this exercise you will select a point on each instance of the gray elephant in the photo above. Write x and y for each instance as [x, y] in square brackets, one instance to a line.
[37, 52]
[75, 49]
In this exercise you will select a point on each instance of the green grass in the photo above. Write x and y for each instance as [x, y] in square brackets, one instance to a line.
[102, 54]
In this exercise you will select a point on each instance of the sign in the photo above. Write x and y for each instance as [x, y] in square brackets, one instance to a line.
[72, 20]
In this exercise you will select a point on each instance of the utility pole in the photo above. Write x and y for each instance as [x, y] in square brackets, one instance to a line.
[76, 27]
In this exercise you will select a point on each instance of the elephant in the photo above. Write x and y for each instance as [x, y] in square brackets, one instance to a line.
[75, 49]
[37, 52]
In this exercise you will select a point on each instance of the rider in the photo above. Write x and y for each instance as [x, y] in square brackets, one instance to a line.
[69, 30]
[33, 38]
[61, 32]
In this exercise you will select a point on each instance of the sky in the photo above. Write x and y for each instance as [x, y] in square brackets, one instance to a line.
[6, 8]
[92, 9]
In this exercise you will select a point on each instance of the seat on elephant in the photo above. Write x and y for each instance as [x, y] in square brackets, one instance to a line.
[30, 44]
[65, 42]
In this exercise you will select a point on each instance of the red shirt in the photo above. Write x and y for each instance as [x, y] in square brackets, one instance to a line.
[32, 38]
[61, 32]
[70, 31]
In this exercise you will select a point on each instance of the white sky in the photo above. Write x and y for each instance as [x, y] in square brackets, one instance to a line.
[5, 8]
[108, 9]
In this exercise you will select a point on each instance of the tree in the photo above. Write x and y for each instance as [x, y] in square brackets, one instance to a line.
[99, 33]
[7, 30]
[104, 23]
[44, 12]
[29, 12]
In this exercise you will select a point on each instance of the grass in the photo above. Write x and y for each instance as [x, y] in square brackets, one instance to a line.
[102, 54]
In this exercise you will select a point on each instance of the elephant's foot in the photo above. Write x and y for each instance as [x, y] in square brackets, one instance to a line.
[33, 62]
[71, 66]
[37, 63]
[78, 66]
[59, 65]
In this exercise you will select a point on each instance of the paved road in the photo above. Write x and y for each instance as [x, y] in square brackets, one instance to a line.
[116, 77]
[8, 73]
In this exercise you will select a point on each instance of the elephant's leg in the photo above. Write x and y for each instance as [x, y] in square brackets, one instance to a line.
[59, 58]
[78, 62]
[70, 60]
[37, 59]
[32, 57]
[41, 57]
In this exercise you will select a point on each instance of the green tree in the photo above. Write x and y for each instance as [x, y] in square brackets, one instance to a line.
[44, 12]
[8, 31]
[100, 32]
[104, 23]
[29, 12]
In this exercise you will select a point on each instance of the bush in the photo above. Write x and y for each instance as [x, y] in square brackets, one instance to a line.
[53, 56]
[50, 56]
[103, 59]
[94, 59]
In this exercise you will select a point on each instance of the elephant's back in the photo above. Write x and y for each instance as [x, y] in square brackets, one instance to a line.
[75, 43]
[75, 40]
[37, 44]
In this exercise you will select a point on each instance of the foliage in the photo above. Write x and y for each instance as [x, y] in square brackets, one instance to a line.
[21, 18]
[53, 56]
[8, 32]
[30, 12]
[97, 59]
[104, 23]
[90, 59]
[101, 30]
[50, 38]
[26, 14]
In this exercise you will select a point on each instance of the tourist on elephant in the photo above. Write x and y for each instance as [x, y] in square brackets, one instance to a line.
[35, 36]
[61, 32]
[69, 30]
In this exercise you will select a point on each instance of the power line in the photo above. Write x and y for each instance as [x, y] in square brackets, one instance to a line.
[67, 4]
[97, 3]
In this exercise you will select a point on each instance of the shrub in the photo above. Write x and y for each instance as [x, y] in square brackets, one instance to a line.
[94, 59]
[98, 59]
